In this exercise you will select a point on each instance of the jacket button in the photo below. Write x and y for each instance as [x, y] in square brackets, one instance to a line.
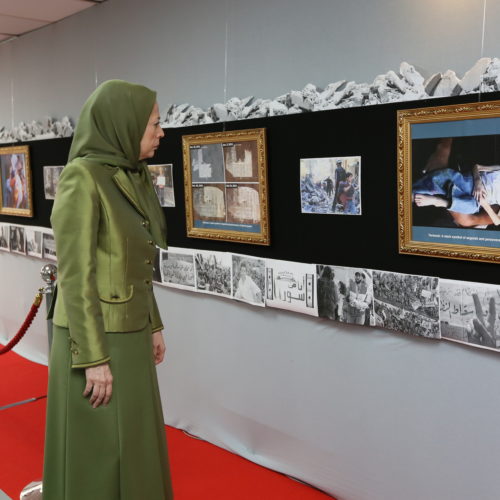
[74, 351]
[145, 223]
[148, 261]
[151, 242]
[147, 282]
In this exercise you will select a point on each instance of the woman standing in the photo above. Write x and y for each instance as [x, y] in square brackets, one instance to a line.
[105, 437]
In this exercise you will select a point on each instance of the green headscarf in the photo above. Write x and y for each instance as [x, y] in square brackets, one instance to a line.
[109, 131]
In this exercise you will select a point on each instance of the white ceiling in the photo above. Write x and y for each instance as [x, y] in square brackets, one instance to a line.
[22, 16]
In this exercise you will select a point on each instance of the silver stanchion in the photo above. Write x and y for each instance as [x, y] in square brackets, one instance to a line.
[33, 491]
[49, 275]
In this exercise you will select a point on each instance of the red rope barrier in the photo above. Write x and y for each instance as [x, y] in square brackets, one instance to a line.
[24, 327]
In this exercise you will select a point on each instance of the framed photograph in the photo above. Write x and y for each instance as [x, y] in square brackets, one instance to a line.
[163, 182]
[225, 184]
[177, 268]
[449, 181]
[51, 180]
[16, 190]
[331, 185]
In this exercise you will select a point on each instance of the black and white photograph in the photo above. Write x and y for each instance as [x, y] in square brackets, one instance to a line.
[48, 246]
[469, 313]
[177, 268]
[213, 272]
[357, 306]
[162, 176]
[34, 242]
[292, 286]
[4, 237]
[18, 239]
[249, 279]
[407, 303]
[51, 180]
[156, 266]
[331, 290]
[331, 185]
[207, 163]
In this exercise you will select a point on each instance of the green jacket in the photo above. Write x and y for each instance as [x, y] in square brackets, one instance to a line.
[105, 259]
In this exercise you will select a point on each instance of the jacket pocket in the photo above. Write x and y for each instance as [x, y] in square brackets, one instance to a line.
[114, 299]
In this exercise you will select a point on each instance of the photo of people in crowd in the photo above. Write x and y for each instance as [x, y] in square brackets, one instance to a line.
[213, 272]
[249, 279]
[177, 268]
[407, 303]
[331, 185]
[469, 313]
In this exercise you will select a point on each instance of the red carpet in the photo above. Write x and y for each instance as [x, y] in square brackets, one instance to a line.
[200, 470]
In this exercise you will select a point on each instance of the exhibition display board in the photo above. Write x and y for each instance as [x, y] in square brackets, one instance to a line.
[336, 405]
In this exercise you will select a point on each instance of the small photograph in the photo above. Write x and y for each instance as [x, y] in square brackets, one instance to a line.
[34, 242]
[207, 163]
[51, 180]
[414, 302]
[17, 239]
[243, 204]
[331, 185]
[357, 307]
[48, 246]
[331, 284]
[249, 279]
[213, 272]
[469, 313]
[240, 160]
[4, 237]
[163, 182]
[177, 268]
[292, 286]
[156, 267]
[209, 203]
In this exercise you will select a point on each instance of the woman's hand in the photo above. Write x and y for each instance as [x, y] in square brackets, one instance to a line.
[99, 384]
[158, 347]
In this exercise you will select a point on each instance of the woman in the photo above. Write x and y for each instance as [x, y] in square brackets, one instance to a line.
[105, 438]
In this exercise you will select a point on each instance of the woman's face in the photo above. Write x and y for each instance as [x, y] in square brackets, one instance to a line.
[152, 135]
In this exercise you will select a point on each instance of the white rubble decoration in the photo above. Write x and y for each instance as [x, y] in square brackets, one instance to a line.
[33, 131]
[405, 85]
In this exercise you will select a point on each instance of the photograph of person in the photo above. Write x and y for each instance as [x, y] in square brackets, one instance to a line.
[456, 182]
[50, 180]
[15, 185]
[331, 185]
[249, 279]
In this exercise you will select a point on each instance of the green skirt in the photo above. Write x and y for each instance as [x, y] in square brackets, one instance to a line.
[114, 452]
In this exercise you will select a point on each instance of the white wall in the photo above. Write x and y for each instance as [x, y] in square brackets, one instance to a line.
[178, 48]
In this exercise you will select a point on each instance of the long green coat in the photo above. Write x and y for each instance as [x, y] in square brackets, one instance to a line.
[107, 221]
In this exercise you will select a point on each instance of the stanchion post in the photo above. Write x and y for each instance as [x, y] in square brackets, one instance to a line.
[49, 275]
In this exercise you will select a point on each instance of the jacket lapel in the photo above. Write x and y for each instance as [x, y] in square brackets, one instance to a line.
[125, 186]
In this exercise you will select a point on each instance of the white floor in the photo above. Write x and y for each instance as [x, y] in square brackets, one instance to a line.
[3, 496]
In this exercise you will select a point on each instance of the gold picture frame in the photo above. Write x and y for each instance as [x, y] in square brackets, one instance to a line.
[448, 161]
[225, 186]
[16, 191]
